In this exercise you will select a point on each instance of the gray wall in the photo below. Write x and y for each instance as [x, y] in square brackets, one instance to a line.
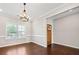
[66, 31]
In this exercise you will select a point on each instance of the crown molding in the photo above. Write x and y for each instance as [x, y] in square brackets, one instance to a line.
[60, 9]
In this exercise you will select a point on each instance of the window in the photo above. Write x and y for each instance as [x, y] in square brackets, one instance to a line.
[15, 31]
[21, 31]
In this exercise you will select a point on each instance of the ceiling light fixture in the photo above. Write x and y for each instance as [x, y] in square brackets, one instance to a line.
[23, 15]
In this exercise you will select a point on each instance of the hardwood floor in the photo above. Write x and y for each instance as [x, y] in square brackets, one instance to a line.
[34, 49]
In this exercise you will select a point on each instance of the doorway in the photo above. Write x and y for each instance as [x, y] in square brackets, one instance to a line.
[49, 34]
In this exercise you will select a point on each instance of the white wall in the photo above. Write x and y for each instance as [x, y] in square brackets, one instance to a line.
[39, 32]
[66, 31]
[39, 24]
[3, 36]
[35, 32]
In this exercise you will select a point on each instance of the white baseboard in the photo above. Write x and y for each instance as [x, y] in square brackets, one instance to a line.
[21, 43]
[13, 44]
[40, 44]
[66, 45]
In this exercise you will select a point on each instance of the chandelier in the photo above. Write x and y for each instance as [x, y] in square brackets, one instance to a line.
[23, 16]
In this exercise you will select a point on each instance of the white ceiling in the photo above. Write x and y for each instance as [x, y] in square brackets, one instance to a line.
[33, 9]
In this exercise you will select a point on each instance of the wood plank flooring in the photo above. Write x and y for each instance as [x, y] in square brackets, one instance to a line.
[34, 49]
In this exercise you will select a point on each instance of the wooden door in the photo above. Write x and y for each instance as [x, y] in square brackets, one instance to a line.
[49, 34]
